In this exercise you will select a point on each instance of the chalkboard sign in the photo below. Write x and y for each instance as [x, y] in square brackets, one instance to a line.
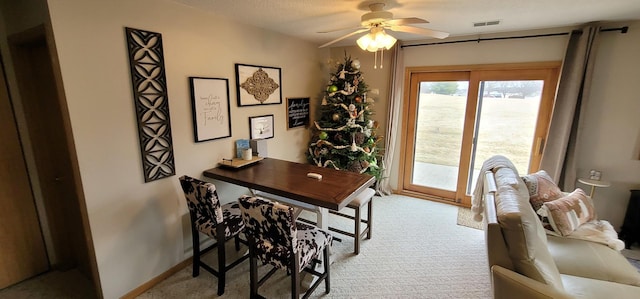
[297, 112]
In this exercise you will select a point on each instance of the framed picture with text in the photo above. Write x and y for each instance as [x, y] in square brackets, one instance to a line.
[261, 127]
[297, 112]
[211, 110]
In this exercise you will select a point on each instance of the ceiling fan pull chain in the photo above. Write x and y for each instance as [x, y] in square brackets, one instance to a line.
[375, 60]
[381, 56]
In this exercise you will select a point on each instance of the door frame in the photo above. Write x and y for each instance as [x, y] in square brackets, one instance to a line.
[461, 198]
[44, 32]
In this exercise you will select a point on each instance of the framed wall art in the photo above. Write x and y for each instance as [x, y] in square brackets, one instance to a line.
[211, 109]
[149, 85]
[258, 85]
[261, 127]
[297, 112]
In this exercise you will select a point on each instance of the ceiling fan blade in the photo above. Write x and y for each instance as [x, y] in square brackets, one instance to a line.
[421, 31]
[405, 21]
[344, 36]
[340, 29]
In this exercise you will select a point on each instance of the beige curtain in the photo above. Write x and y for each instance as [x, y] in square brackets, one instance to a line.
[560, 154]
[393, 118]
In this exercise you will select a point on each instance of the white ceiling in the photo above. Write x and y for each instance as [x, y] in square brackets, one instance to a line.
[305, 18]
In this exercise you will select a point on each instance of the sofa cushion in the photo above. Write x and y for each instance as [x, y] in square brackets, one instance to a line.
[524, 235]
[592, 260]
[567, 213]
[581, 287]
[541, 188]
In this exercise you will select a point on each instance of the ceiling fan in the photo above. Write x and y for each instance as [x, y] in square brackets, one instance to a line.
[376, 21]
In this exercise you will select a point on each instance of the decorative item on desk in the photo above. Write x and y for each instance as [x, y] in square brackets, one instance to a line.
[259, 147]
[240, 145]
[247, 153]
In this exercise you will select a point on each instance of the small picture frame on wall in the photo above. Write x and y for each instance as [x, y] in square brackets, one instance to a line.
[297, 112]
[258, 85]
[211, 109]
[261, 127]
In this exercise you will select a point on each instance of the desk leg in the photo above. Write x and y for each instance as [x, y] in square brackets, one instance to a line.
[323, 218]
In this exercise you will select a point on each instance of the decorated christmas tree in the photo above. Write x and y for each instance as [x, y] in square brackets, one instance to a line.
[344, 137]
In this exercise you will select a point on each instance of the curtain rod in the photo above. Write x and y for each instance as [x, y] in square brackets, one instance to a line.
[622, 30]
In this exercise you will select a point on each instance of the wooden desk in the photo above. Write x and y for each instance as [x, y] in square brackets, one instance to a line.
[285, 181]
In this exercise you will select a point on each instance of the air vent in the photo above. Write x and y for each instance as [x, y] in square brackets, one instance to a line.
[487, 23]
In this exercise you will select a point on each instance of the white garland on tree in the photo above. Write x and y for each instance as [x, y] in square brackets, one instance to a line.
[353, 147]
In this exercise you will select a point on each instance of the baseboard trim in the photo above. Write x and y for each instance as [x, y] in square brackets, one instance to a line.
[156, 280]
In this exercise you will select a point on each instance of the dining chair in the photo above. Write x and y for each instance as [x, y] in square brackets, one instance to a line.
[275, 238]
[364, 198]
[220, 222]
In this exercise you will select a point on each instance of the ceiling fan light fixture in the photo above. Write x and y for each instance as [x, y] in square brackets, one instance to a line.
[375, 40]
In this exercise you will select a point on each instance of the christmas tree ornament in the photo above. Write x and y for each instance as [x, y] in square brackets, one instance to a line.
[355, 64]
[352, 111]
[343, 73]
[366, 150]
[358, 99]
[359, 138]
[323, 135]
[333, 88]
[335, 117]
[370, 123]
[324, 101]
[370, 141]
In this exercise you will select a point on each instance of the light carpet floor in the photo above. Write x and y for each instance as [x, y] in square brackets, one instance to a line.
[417, 251]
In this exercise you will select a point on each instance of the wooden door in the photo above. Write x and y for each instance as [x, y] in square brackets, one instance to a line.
[22, 249]
[39, 95]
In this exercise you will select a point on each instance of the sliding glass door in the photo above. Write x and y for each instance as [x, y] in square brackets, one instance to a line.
[455, 120]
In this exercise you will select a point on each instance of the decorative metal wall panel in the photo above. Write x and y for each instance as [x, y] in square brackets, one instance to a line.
[149, 85]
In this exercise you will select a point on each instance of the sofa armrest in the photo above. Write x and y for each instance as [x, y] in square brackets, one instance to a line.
[508, 284]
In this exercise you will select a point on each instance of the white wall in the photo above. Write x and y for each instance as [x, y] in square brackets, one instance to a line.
[141, 230]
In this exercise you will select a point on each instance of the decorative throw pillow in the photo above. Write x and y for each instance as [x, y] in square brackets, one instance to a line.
[542, 188]
[567, 213]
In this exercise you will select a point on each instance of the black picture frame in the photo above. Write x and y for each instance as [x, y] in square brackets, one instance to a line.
[258, 85]
[297, 112]
[211, 108]
[261, 127]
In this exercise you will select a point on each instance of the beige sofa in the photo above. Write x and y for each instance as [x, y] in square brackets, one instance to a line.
[526, 263]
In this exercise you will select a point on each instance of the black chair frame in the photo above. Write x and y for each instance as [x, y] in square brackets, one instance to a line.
[291, 270]
[220, 245]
